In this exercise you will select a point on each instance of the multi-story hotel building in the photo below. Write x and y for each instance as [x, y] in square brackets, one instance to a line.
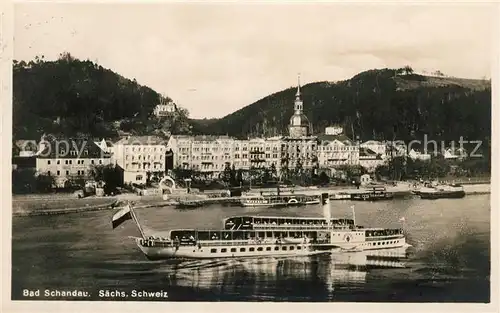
[205, 154]
[337, 150]
[138, 155]
[69, 159]
[241, 154]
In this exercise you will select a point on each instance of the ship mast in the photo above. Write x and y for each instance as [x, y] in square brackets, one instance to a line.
[134, 217]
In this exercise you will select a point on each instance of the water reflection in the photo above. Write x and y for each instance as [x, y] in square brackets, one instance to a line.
[332, 270]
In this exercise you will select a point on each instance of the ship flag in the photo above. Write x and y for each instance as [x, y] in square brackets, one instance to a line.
[121, 216]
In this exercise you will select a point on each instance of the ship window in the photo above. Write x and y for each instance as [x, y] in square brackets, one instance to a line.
[203, 235]
[260, 249]
[223, 250]
[251, 249]
[242, 249]
[226, 235]
[268, 248]
[233, 249]
[213, 250]
[283, 248]
[276, 248]
[238, 235]
[292, 248]
[269, 234]
[299, 247]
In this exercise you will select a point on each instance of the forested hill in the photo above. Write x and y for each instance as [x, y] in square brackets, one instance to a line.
[72, 97]
[376, 104]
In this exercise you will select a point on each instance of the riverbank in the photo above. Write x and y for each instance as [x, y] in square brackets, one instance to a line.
[43, 205]
[32, 205]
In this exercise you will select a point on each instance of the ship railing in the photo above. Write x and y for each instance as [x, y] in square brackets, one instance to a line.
[297, 227]
[373, 238]
[210, 243]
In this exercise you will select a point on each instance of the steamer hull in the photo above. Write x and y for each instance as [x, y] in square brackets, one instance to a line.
[156, 252]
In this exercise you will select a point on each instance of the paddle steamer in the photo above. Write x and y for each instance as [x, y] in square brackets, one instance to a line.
[251, 236]
[452, 191]
[279, 200]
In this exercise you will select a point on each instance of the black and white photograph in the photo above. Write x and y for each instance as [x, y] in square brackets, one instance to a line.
[334, 152]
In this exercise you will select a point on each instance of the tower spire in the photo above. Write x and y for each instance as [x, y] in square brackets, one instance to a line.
[298, 86]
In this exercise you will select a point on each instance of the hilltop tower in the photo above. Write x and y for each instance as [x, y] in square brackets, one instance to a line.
[299, 124]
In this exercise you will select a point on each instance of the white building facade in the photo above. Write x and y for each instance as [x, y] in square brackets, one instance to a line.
[138, 155]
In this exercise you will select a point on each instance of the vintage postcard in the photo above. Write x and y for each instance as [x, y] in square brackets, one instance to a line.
[188, 152]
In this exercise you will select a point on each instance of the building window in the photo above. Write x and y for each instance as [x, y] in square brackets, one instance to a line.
[100, 161]
[58, 162]
[138, 177]
[58, 173]
[48, 162]
[67, 172]
[48, 173]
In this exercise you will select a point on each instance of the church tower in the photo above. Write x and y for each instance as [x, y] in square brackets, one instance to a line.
[299, 124]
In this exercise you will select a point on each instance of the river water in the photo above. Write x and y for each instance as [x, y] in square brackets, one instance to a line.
[449, 260]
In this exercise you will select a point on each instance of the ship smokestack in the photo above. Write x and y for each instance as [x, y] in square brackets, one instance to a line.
[325, 202]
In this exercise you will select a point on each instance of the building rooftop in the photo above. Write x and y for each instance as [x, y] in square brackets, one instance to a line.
[340, 137]
[142, 140]
[71, 148]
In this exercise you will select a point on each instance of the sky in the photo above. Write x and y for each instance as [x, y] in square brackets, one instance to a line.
[214, 59]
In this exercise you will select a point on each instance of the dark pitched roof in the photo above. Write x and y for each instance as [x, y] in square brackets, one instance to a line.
[26, 145]
[341, 137]
[366, 152]
[72, 148]
[142, 140]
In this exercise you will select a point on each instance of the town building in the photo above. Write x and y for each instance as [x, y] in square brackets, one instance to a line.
[25, 148]
[165, 108]
[241, 154]
[206, 154]
[68, 160]
[455, 154]
[334, 130]
[417, 155]
[298, 149]
[138, 156]
[378, 147]
[369, 159]
[336, 149]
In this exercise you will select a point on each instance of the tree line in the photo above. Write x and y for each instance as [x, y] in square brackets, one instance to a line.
[385, 104]
[72, 97]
